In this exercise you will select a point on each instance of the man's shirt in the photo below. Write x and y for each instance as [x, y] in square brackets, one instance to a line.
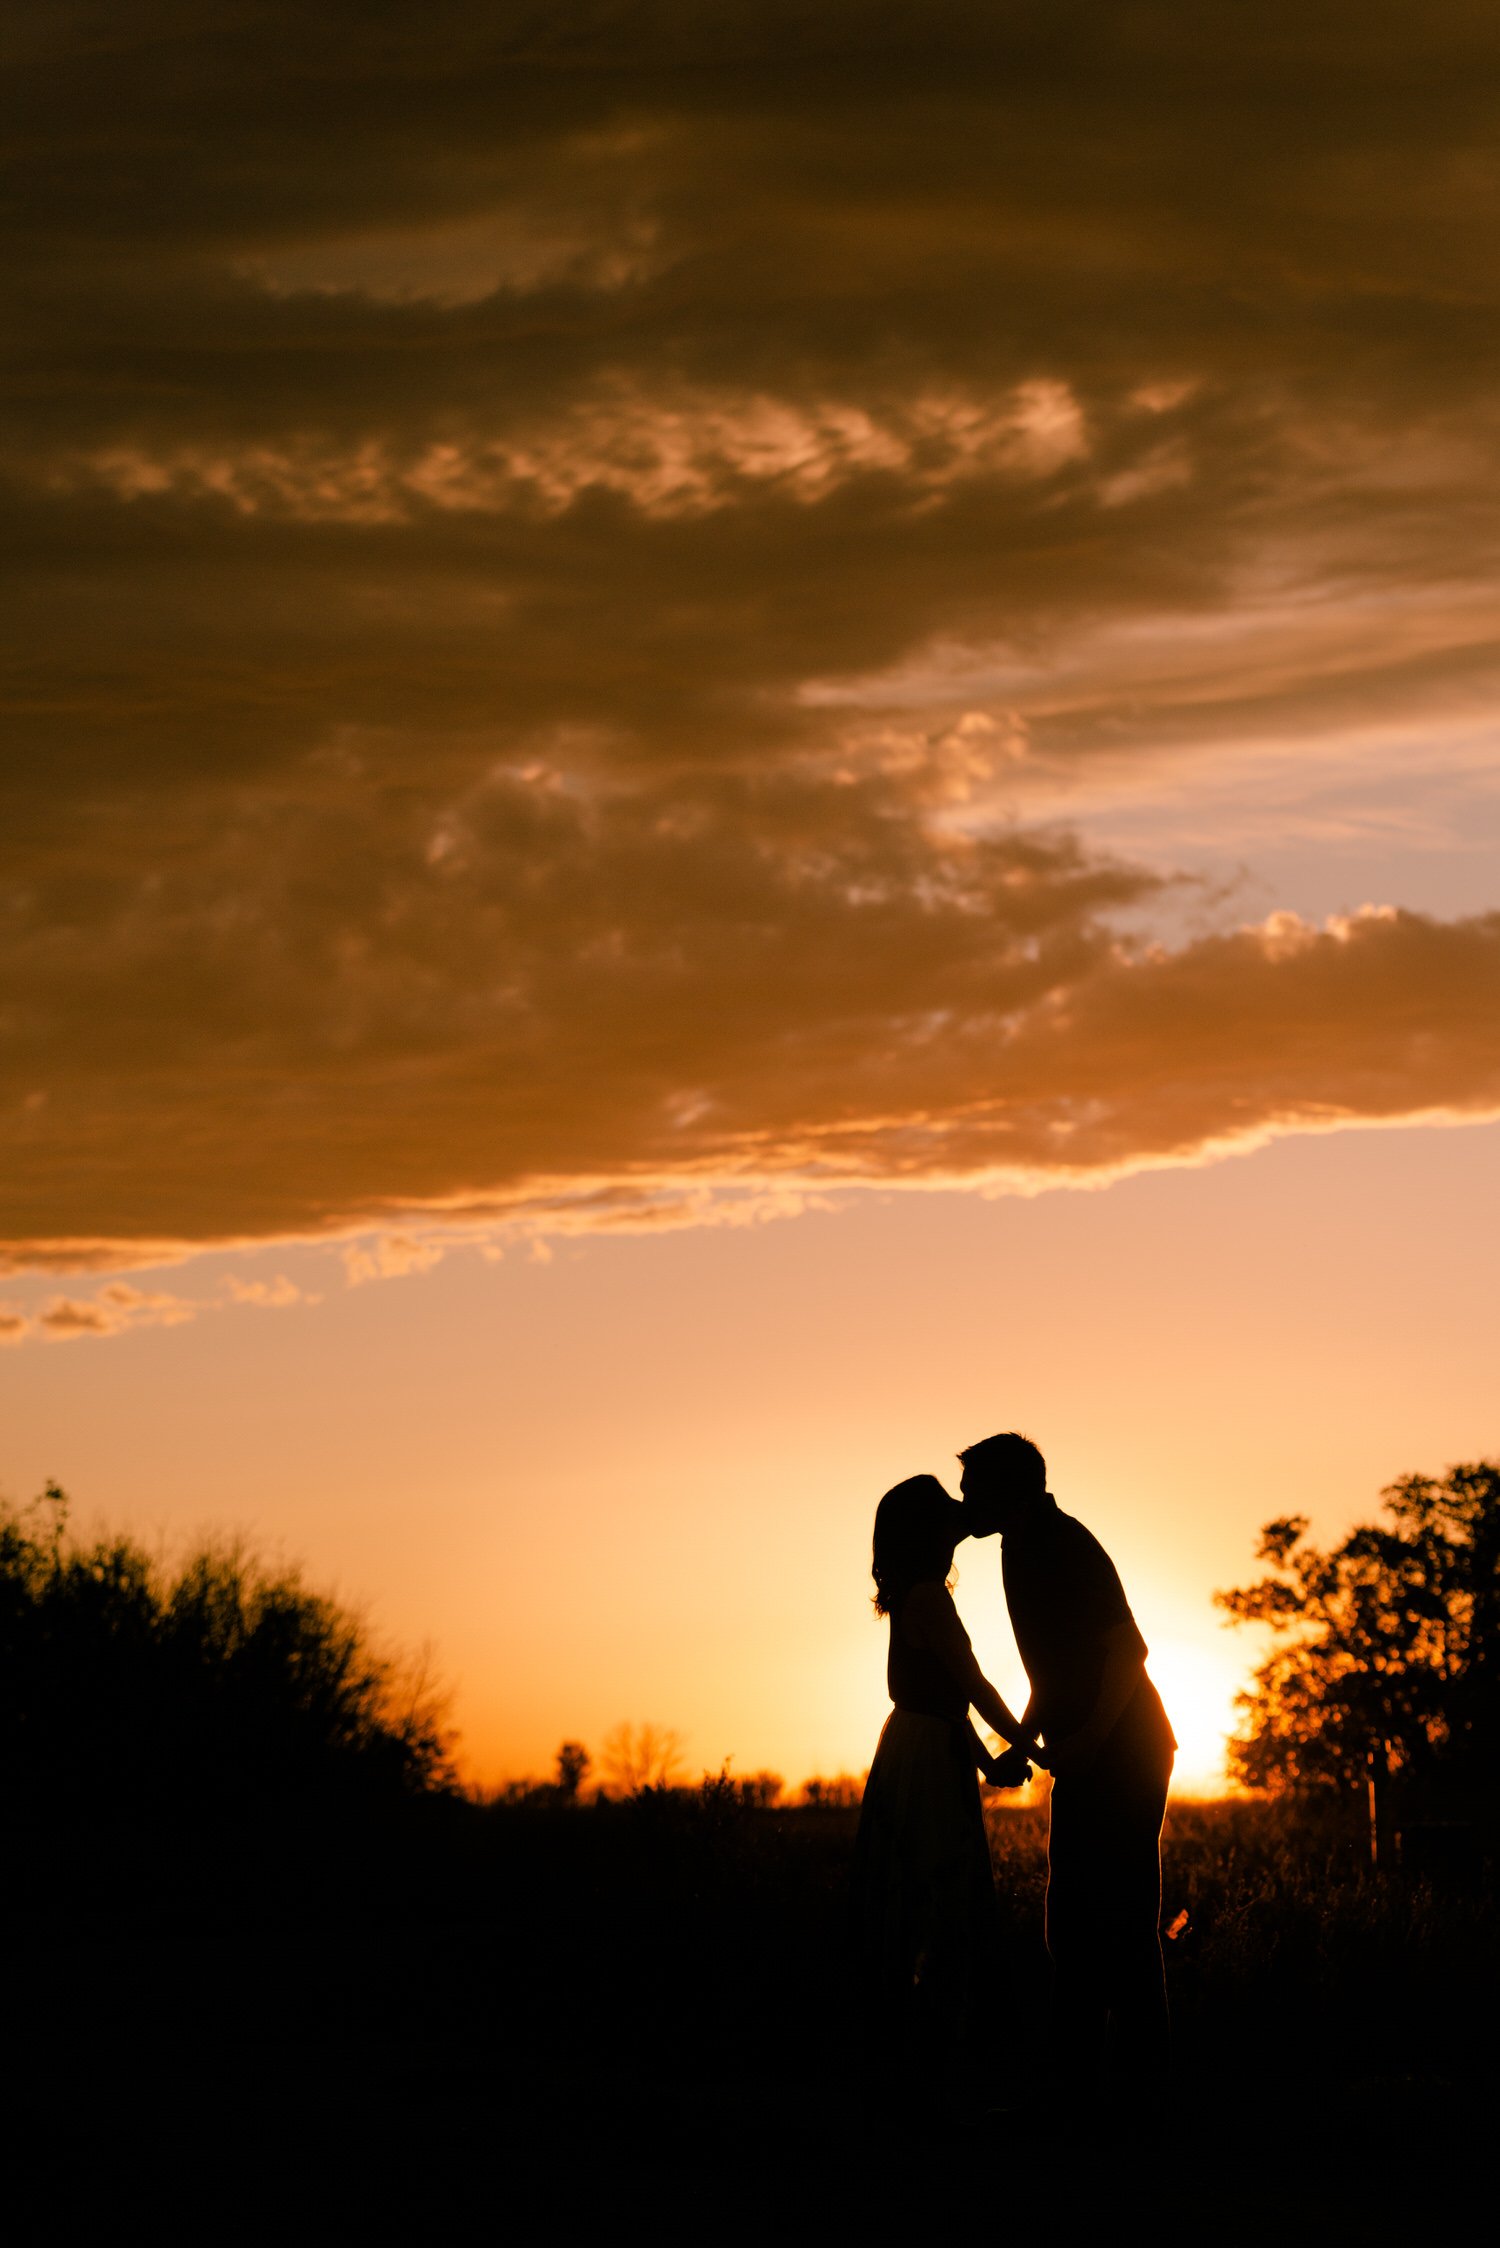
[1064, 1595]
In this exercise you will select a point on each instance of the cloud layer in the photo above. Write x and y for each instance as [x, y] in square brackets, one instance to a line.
[554, 556]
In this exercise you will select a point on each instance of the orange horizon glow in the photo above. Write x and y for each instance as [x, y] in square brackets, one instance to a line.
[636, 1482]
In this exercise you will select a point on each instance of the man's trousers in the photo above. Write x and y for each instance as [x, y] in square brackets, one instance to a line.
[1103, 1920]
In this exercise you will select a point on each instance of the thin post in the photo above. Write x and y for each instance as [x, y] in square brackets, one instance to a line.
[1377, 1775]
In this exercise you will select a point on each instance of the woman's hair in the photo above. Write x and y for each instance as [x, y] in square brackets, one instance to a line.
[916, 1529]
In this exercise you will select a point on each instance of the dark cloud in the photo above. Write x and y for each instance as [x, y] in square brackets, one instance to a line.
[385, 998]
[547, 544]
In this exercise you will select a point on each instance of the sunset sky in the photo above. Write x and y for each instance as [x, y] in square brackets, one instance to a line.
[742, 740]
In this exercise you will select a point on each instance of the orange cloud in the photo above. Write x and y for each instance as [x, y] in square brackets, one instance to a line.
[681, 1023]
[665, 455]
[112, 1311]
[392, 1257]
[268, 1295]
[559, 627]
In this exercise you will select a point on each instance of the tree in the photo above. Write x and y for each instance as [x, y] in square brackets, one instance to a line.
[574, 1764]
[1389, 1647]
[639, 1756]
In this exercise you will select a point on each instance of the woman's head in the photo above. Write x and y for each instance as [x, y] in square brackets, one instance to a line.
[917, 1526]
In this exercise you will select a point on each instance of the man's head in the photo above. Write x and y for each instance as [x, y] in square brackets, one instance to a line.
[1003, 1479]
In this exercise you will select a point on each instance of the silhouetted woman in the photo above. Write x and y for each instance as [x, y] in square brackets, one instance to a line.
[923, 1894]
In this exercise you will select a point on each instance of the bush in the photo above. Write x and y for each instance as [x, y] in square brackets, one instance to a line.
[134, 1687]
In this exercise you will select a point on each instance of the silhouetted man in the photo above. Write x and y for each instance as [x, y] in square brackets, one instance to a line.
[1111, 1751]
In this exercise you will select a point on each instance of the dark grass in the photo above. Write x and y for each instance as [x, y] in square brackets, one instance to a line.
[407, 2004]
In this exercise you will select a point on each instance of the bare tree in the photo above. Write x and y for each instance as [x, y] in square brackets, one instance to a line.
[637, 1756]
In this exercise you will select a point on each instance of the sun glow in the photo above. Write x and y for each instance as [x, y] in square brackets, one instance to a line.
[1198, 1684]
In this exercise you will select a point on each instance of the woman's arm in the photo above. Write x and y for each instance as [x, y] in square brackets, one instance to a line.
[984, 1760]
[994, 1768]
[937, 1621]
[993, 1710]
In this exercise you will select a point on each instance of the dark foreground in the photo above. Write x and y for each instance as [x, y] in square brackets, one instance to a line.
[441, 2019]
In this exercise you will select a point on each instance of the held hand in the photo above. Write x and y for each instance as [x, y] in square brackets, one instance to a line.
[1010, 1769]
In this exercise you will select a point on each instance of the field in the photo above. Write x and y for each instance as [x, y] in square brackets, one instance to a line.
[422, 2009]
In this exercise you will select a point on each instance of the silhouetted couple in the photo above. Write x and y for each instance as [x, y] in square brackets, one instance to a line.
[924, 1893]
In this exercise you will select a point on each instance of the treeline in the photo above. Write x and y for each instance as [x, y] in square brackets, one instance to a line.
[133, 1687]
[638, 1760]
[139, 1688]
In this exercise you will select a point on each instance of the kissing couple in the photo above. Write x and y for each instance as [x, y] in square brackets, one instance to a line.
[924, 1893]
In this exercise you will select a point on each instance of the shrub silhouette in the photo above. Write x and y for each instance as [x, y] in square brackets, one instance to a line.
[131, 1686]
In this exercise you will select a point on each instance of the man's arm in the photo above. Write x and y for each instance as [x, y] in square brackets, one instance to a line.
[1124, 1665]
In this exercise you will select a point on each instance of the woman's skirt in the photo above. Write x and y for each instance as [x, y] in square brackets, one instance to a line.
[923, 1894]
